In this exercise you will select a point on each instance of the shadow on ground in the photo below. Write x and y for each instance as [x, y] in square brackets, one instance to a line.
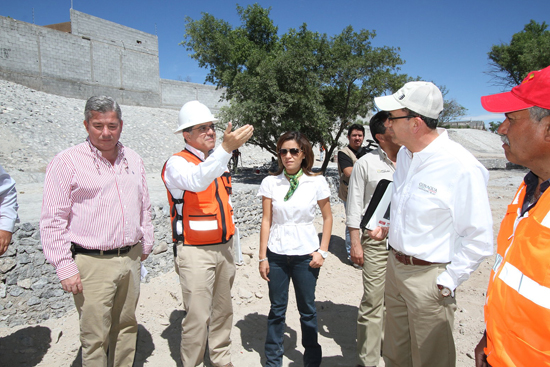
[25, 347]
[337, 247]
[335, 321]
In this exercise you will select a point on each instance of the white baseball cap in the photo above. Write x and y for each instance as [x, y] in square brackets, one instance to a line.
[423, 98]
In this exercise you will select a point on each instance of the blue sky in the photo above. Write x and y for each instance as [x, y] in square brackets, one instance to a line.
[442, 41]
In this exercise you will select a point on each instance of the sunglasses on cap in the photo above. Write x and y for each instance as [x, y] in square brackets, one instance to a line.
[292, 151]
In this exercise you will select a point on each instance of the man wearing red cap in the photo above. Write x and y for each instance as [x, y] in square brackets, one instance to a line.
[517, 308]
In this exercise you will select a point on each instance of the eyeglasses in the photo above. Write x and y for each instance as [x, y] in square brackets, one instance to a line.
[292, 151]
[401, 117]
[204, 128]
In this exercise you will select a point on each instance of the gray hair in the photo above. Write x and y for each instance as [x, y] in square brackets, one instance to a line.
[538, 113]
[101, 104]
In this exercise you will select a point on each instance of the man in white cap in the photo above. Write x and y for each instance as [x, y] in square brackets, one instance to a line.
[199, 188]
[440, 231]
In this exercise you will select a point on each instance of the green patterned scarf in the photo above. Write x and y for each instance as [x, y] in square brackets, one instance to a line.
[293, 183]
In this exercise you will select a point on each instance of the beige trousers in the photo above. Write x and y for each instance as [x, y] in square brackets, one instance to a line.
[206, 277]
[370, 319]
[419, 321]
[107, 307]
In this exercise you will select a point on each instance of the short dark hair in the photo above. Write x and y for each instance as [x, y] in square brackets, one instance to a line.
[101, 104]
[376, 124]
[356, 127]
[431, 123]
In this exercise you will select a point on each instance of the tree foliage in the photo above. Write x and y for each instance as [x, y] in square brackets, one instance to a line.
[493, 126]
[528, 50]
[452, 110]
[301, 80]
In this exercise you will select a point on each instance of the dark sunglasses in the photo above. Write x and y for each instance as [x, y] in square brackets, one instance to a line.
[401, 117]
[293, 151]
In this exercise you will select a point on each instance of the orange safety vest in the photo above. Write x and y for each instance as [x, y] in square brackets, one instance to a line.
[517, 309]
[206, 217]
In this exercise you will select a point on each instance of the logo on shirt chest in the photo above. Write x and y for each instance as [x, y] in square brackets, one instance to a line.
[429, 189]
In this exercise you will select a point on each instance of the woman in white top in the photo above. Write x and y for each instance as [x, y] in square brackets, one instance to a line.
[289, 244]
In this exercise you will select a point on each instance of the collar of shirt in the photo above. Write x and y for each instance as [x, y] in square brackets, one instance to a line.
[197, 152]
[384, 156]
[433, 147]
[120, 151]
[532, 181]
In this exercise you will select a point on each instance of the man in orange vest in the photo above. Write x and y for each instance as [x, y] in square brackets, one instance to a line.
[201, 215]
[517, 308]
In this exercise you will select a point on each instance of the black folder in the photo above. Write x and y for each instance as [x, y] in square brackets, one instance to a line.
[378, 210]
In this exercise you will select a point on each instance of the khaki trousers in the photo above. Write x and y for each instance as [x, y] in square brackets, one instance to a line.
[419, 321]
[370, 319]
[206, 277]
[107, 307]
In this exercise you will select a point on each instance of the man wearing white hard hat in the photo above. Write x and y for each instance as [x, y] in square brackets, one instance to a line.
[201, 214]
[440, 231]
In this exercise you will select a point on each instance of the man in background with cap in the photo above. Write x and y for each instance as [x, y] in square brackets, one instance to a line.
[517, 309]
[201, 214]
[440, 231]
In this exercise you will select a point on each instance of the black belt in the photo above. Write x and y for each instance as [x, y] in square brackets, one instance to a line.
[77, 249]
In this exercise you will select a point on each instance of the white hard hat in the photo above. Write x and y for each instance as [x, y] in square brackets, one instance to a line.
[193, 113]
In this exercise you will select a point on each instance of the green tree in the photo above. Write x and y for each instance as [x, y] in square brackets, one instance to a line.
[493, 126]
[528, 50]
[301, 80]
[452, 110]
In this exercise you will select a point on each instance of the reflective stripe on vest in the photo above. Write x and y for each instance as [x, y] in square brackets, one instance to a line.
[525, 286]
[206, 216]
[517, 309]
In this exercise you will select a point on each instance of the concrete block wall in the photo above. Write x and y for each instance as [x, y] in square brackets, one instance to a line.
[84, 63]
[98, 29]
[64, 56]
[98, 57]
[175, 93]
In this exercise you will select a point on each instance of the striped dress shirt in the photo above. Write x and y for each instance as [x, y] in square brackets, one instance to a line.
[94, 204]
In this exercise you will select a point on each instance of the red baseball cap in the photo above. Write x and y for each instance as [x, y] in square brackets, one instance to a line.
[534, 90]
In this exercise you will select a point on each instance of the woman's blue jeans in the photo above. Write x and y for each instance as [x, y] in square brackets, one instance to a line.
[282, 268]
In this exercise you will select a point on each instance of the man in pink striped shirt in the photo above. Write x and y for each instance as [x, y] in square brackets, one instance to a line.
[95, 229]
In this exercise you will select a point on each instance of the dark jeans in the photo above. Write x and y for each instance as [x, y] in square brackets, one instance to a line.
[282, 268]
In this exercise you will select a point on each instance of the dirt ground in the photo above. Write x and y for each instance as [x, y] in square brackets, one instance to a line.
[56, 342]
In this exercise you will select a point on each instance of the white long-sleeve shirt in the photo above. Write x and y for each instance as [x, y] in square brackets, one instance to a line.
[181, 175]
[8, 202]
[440, 210]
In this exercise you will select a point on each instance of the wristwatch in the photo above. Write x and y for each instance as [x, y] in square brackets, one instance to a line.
[445, 292]
[324, 254]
